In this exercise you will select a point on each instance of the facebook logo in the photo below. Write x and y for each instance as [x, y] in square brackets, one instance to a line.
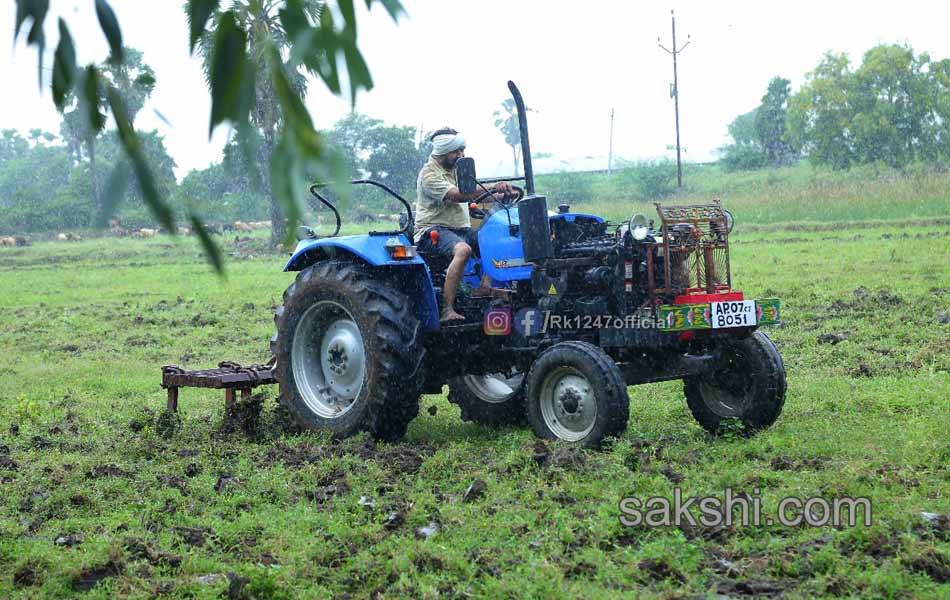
[528, 322]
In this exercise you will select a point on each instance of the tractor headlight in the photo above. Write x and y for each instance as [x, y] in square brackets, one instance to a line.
[399, 251]
[730, 220]
[638, 227]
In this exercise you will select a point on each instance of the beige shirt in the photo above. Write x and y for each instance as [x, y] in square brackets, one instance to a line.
[431, 208]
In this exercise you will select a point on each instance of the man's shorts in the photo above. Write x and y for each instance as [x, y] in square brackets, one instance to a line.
[448, 238]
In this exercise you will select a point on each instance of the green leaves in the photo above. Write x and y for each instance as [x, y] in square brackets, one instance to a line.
[130, 143]
[881, 112]
[393, 7]
[110, 27]
[35, 10]
[91, 100]
[230, 73]
[247, 40]
[211, 249]
[323, 47]
[64, 67]
[198, 12]
[115, 190]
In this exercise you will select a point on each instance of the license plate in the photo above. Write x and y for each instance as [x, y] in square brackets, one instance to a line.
[719, 315]
[739, 313]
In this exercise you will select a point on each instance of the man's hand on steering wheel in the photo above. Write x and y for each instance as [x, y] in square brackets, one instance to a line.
[503, 191]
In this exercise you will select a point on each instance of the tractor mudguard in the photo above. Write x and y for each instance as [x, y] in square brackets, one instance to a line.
[413, 276]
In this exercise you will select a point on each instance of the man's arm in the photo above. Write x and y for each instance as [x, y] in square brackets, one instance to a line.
[454, 195]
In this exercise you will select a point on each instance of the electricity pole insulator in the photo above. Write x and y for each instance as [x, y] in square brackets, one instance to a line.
[675, 95]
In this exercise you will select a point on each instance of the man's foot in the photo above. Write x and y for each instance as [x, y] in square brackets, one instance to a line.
[449, 316]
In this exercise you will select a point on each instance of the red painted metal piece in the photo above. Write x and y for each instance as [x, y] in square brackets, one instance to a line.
[703, 298]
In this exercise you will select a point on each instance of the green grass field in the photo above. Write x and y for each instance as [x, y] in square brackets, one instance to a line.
[99, 498]
[801, 193]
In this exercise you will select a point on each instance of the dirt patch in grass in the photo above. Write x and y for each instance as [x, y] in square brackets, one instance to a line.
[107, 470]
[660, 569]
[139, 549]
[756, 588]
[28, 574]
[88, 578]
[933, 564]
[244, 415]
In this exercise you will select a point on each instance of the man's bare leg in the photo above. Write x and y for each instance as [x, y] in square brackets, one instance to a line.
[453, 275]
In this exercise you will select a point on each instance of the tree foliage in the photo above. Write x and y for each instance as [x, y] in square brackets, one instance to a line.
[326, 48]
[386, 153]
[760, 136]
[745, 151]
[892, 109]
[507, 121]
[770, 127]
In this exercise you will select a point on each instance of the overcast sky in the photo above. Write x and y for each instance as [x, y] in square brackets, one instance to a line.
[447, 63]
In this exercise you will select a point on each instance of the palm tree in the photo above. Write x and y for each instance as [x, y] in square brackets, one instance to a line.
[134, 80]
[507, 122]
[261, 22]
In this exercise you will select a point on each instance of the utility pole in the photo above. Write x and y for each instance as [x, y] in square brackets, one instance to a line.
[674, 93]
[610, 152]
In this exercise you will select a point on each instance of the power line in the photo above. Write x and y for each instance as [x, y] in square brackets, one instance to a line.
[675, 94]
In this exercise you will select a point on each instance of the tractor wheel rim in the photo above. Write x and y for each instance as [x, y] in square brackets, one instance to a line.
[329, 359]
[725, 403]
[568, 404]
[732, 396]
[494, 388]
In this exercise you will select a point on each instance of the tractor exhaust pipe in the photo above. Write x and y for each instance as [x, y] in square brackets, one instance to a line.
[525, 146]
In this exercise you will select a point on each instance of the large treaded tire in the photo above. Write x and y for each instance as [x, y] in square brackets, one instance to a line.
[393, 353]
[509, 410]
[607, 389]
[757, 391]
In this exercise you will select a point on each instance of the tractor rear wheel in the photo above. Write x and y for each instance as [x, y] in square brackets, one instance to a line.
[577, 394]
[747, 385]
[494, 399]
[347, 352]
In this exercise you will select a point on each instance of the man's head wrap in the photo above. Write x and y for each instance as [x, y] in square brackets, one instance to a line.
[445, 143]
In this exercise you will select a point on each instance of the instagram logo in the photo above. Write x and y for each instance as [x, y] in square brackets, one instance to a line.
[497, 321]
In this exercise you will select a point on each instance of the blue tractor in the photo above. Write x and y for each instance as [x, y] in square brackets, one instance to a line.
[589, 307]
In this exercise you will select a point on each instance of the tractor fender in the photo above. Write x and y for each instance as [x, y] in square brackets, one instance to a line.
[410, 275]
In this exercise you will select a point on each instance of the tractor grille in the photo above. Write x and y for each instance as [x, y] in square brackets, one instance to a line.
[693, 255]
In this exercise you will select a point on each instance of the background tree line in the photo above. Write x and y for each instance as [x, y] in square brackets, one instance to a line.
[53, 182]
[893, 109]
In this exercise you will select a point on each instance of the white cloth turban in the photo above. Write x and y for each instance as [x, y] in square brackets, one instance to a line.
[447, 142]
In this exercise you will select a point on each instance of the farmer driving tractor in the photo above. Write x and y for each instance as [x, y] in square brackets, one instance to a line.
[442, 220]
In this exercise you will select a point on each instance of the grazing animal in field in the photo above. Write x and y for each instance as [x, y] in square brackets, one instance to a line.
[7, 241]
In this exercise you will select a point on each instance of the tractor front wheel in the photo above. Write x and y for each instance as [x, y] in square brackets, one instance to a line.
[746, 386]
[577, 394]
[347, 352]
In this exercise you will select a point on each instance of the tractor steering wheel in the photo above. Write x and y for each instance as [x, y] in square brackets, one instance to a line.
[518, 195]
